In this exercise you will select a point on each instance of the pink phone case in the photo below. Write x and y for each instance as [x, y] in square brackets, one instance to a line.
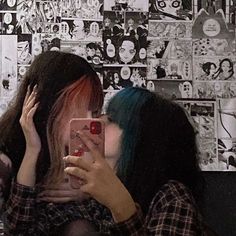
[94, 129]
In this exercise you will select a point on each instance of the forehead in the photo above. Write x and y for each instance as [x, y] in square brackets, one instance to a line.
[127, 43]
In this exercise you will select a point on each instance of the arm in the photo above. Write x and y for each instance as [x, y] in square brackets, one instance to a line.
[101, 182]
[21, 204]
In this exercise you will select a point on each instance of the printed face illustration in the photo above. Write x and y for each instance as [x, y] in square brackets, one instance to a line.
[48, 11]
[127, 51]
[169, 6]
[212, 69]
[225, 66]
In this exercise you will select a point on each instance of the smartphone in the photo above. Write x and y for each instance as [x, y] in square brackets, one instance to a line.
[94, 129]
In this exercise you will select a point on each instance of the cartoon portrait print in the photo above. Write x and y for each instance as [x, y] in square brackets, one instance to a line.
[8, 22]
[170, 9]
[24, 45]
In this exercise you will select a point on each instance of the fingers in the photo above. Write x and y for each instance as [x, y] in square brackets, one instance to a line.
[56, 199]
[91, 146]
[78, 161]
[77, 172]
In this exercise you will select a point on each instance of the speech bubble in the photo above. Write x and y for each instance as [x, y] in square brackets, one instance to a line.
[125, 72]
[7, 18]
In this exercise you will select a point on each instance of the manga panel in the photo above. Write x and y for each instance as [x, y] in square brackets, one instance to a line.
[136, 24]
[44, 42]
[214, 18]
[84, 9]
[214, 89]
[9, 66]
[79, 30]
[24, 49]
[173, 89]
[8, 5]
[126, 5]
[91, 51]
[214, 68]
[172, 49]
[170, 10]
[170, 29]
[8, 22]
[124, 50]
[203, 117]
[208, 47]
[27, 17]
[213, 7]
[226, 128]
[116, 78]
[169, 69]
[113, 23]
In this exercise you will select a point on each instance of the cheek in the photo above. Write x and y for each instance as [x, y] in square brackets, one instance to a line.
[112, 142]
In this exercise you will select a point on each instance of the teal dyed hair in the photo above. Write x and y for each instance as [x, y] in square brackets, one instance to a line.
[158, 144]
[125, 110]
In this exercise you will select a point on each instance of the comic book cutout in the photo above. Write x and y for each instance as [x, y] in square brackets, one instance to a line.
[116, 78]
[227, 134]
[79, 30]
[24, 49]
[211, 25]
[124, 50]
[8, 5]
[45, 42]
[165, 29]
[8, 65]
[208, 47]
[126, 5]
[171, 89]
[91, 51]
[170, 9]
[214, 68]
[8, 22]
[169, 69]
[84, 9]
[172, 49]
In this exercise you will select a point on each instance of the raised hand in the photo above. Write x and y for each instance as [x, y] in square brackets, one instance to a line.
[26, 174]
[33, 142]
[101, 182]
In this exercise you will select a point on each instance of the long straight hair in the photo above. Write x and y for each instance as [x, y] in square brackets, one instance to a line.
[158, 144]
[56, 74]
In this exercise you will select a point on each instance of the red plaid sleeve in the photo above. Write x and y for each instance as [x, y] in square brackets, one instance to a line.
[133, 226]
[172, 212]
[176, 218]
[19, 209]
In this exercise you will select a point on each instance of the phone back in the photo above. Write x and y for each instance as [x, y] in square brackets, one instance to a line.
[94, 129]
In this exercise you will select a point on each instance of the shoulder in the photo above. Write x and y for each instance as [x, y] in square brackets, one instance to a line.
[174, 197]
[173, 208]
[173, 190]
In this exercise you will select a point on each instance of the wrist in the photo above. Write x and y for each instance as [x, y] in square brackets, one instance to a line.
[123, 209]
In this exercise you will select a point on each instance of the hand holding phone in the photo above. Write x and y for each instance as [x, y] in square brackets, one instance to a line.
[94, 129]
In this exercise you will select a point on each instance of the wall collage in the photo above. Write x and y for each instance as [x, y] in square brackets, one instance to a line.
[182, 49]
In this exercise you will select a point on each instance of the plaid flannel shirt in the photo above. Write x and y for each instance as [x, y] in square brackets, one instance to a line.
[172, 212]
